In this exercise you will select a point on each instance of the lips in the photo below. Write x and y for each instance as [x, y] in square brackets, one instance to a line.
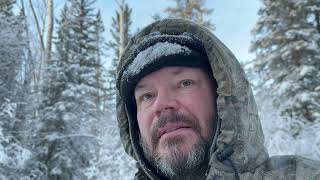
[170, 127]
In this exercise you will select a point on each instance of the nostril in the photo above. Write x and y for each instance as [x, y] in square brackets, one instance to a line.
[168, 108]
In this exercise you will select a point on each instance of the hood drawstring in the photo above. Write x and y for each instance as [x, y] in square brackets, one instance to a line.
[224, 155]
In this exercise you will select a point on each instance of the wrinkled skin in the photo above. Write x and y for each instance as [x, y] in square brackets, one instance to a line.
[238, 121]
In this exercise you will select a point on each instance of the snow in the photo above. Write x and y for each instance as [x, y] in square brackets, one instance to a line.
[153, 53]
[8, 109]
[287, 136]
[305, 97]
[283, 87]
[306, 69]
[3, 156]
[75, 112]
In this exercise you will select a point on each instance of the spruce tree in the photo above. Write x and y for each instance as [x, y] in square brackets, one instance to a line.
[99, 51]
[120, 37]
[68, 146]
[287, 46]
[193, 10]
[114, 160]
[13, 96]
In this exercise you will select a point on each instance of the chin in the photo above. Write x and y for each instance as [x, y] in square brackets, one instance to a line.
[178, 144]
[181, 156]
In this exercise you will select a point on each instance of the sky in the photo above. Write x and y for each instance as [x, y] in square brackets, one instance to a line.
[233, 20]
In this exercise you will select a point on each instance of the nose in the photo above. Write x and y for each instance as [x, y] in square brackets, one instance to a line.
[165, 103]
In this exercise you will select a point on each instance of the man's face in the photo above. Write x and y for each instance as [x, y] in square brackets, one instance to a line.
[176, 111]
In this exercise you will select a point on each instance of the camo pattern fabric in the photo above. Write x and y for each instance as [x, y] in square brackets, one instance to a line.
[240, 126]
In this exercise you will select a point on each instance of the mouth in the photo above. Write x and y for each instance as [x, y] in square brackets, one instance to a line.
[171, 128]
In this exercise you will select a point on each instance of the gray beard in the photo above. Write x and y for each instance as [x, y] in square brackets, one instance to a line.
[177, 165]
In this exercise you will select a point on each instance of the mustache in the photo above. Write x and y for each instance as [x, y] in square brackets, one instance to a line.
[173, 117]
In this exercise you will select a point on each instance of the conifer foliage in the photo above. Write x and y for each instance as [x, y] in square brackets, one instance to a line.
[13, 92]
[113, 160]
[194, 10]
[67, 146]
[120, 32]
[287, 45]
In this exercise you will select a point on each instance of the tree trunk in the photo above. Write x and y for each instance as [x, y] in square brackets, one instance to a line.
[50, 30]
[37, 25]
[121, 28]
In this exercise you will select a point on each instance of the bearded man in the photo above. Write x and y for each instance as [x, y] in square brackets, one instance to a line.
[186, 110]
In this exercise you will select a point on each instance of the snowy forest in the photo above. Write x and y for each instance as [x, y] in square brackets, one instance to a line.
[57, 83]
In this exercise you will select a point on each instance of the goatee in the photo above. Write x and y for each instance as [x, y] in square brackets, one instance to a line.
[176, 164]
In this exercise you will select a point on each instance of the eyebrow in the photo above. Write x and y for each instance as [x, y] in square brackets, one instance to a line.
[139, 86]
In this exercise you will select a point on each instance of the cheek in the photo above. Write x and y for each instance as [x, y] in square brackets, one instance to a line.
[202, 107]
[144, 122]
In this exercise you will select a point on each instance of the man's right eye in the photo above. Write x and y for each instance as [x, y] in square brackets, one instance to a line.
[146, 97]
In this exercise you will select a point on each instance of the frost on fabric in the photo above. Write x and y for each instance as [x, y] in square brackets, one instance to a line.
[158, 34]
[153, 53]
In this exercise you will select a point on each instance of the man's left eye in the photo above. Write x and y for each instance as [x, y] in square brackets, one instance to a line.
[185, 83]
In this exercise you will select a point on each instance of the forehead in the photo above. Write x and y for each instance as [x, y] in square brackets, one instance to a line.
[170, 72]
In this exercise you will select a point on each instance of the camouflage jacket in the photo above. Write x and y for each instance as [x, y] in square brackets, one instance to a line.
[240, 138]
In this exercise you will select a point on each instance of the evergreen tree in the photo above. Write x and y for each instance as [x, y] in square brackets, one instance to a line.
[67, 145]
[121, 34]
[13, 96]
[191, 9]
[100, 48]
[114, 161]
[286, 43]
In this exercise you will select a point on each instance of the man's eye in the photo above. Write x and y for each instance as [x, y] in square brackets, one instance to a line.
[185, 83]
[146, 97]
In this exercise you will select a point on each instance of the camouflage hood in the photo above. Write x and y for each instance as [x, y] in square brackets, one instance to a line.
[239, 134]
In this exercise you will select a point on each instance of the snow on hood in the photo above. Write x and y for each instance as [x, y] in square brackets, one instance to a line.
[151, 54]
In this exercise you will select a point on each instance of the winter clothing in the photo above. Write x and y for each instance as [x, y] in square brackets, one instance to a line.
[237, 150]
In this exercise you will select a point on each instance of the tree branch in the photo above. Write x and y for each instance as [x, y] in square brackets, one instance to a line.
[37, 25]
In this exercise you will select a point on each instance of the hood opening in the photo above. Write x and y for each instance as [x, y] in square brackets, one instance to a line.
[238, 123]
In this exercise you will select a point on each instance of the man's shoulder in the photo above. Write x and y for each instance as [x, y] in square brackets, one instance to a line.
[290, 166]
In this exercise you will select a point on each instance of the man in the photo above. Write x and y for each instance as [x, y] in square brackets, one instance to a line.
[186, 111]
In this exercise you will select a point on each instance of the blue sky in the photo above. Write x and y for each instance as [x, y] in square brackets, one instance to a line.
[233, 19]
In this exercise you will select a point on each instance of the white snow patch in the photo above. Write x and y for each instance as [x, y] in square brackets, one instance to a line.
[284, 86]
[153, 53]
[305, 96]
[8, 108]
[305, 70]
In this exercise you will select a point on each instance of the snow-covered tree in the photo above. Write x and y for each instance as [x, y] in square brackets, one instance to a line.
[120, 32]
[114, 163]
[13, 95]
[287, 45]
[13, 57]
[67, 145]
[12, 54]
[194, 10]
[100, 48]
[13, 154]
